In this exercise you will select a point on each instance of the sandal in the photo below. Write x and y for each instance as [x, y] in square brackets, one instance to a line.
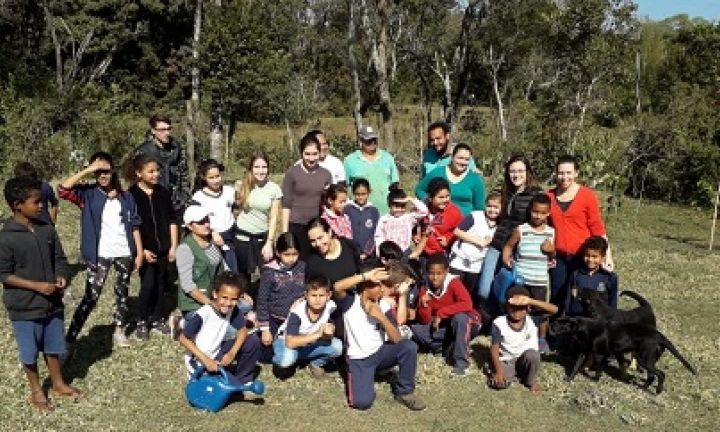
[73, 393]
[44, 405]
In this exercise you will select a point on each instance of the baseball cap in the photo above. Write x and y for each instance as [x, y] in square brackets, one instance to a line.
[194, 213]
[367, 133]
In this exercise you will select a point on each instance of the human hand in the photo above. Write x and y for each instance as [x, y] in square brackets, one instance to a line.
[267, 251]
[46, 288]
[443, 241]
[266, 338]
[608, 264]
[376, 275]
[373, 310]
[328, 330]
[227, 359]
[60, 283]
[245, 297]
[436, 323]
[404, 287]
[217, 239]
[499, 381]
[150, 257]
[519, 300]
[547, 246]
[508, 263]
[485, 241]
[210, 364]
[98, 165]
[425, 300]
[171, 254]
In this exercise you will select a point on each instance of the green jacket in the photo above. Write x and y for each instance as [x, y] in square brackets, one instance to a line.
[203, 274]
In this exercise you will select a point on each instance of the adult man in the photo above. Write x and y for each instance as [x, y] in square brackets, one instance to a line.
[376, 166]
[439, 150]
[328, 161]
[170, 154]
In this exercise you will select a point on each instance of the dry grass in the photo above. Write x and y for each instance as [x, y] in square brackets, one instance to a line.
[662, 254]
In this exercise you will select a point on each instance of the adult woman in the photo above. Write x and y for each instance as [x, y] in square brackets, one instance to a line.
[258, 202]
[303, 188]
[519, 188]
[467, 188]
[575, 214]
[332, 257]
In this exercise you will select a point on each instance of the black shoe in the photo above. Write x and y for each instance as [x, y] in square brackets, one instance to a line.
[142, 332]
[411, 401]
[161, 327]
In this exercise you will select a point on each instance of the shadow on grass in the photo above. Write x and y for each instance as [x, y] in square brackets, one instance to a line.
[693, 242]
[88, 350]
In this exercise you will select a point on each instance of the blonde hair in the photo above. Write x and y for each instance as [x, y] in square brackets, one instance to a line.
[247, 184]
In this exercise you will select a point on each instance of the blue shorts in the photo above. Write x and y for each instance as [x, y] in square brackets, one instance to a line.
[44, 334]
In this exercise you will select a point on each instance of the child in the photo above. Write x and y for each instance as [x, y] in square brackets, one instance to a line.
[444, 217]
[474, 234]
[33, 270]
[333, 211]
[307, 334]
[159, 236]
[515, 350]
[534, 241]
[396, 290]
[50, 203]
[445, 315]
[363, 218]
[397, 226]
[282, 282]
[391, 257]
[199, 262]
[593, 276]
[110, 238]
[373, 341]
[218, 199]
[216, 335]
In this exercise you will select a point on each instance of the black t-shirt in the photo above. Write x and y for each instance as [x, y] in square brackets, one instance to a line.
[346, 264]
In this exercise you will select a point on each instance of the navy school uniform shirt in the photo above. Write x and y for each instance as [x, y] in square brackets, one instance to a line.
[603, 281]
[363, 221]
[213, 333]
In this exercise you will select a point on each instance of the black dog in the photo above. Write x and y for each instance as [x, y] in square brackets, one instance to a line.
[600, 339]
[596, 307]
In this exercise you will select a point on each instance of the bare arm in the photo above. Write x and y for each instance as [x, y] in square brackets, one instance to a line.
[522, 300]
[469, 238]
[298, 341]
[373, 309]
[285, 220]
[240, 337]
[98, 164]
[375, 275]
[189, 345]
[46, 288]
[509, 247]
[53, 214]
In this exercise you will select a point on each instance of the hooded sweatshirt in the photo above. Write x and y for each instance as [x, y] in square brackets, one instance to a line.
[279, 287]
[35, 255]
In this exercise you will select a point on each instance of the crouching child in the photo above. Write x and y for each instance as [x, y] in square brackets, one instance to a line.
[373, 341]
[216, 335]
[307, 333]
[515, 351]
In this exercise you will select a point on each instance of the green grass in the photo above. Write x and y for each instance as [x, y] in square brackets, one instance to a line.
[661, 251]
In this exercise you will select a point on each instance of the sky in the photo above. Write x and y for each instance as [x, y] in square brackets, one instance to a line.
[660, 9]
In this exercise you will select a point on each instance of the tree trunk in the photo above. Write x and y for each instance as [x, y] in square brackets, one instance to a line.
[638, 77]
[352, 60]
[216, 119]
[500, 107]
[194, 103]
[382, 72]
[58, 48]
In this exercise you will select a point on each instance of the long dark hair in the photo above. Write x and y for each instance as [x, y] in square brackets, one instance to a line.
[508, 189]
[202, 171]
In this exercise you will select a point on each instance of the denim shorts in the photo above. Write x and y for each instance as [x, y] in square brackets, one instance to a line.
[43, 334]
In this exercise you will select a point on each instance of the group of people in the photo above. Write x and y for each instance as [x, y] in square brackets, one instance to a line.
[349, 263]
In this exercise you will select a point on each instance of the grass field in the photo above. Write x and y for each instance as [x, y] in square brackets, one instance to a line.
[660, 251]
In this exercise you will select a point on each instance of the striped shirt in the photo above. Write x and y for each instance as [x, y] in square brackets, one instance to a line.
[530, 261]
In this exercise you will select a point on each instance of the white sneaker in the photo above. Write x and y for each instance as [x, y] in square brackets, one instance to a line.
[120, 340]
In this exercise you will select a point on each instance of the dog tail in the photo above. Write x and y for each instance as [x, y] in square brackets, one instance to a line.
[637, 297]
[670, 347]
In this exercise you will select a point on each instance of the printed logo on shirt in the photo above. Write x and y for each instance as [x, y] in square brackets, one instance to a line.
[369, 223]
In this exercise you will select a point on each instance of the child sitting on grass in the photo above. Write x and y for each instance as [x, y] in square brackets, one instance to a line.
[592, 276]
[445, 314]
[33, 270]
[216, 335]
[307, 334]
[374, 342]
[514, 351]
[396, 290]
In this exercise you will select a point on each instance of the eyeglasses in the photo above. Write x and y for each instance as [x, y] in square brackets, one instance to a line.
[520, 171]
[165, 129]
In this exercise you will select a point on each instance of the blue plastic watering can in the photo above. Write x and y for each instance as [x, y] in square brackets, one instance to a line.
[211, 392]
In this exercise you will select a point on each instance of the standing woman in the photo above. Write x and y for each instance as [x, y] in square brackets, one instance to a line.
[519, 188]
[258, 203]
[575, 215]
[303, 188]
[467, 188]
[333, 257]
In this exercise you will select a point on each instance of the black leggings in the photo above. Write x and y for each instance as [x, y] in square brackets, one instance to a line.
[153, 277]
[300, 231]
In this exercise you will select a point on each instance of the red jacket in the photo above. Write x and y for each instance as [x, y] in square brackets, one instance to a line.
[452, 299]
[442, 224]
[581, 220]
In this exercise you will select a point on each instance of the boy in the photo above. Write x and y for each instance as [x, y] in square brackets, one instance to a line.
[217, 336]
[533, 243]
[514, 350]
[593, 277]
[33, 269]
[373, 341]
[445, 315]
[307, 333]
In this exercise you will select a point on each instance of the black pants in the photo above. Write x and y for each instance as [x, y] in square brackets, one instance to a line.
[96, 276]
[153, 277]
[300, 232]
[470, 280]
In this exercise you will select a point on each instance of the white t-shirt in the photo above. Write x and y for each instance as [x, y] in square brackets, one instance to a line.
[364, 335]
[513, 343]
[336, 168]
[113, 239]
[219, 207]
[299, 323]
[465, 256]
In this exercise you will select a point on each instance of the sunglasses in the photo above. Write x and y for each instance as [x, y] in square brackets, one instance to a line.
[202, 221]
[165, 129]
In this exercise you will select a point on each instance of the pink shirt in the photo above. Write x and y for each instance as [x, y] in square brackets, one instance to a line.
[340, 224]
[399, 229]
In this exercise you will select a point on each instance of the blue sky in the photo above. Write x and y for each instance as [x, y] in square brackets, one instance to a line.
[659, 9]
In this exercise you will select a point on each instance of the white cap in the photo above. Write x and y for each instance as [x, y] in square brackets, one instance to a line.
[367, 133]
[194, 213]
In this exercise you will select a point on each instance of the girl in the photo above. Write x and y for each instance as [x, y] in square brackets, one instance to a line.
[110, 238]
[282, 282]
[443, 219]
[303, 187]
[474, 236]
[159, 235]
[397, 226]
[519, 188]
[218, 200]
[363, 218]
[334, 201]
[258, 204]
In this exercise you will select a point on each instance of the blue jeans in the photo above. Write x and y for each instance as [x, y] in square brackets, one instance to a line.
[319, 353]
[487, 274]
